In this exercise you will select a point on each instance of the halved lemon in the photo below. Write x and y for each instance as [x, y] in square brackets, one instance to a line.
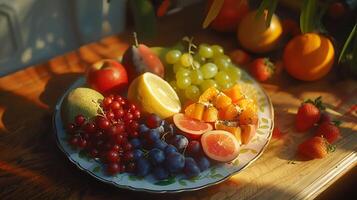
[154, 95]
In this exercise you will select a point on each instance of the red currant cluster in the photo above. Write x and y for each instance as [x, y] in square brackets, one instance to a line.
[107, 136]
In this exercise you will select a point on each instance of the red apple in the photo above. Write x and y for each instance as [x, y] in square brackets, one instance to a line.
[231, 13]
[107, 76]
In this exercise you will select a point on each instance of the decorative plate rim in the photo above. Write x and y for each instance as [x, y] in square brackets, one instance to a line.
[78, 165]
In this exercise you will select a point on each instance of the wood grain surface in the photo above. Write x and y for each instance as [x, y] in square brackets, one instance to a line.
[32, 167]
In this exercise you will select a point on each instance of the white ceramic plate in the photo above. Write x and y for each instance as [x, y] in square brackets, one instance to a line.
[214, 175]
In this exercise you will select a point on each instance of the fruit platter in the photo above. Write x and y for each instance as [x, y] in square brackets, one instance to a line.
[164, 120]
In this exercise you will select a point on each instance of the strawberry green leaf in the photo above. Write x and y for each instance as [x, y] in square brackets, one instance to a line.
[336, 122]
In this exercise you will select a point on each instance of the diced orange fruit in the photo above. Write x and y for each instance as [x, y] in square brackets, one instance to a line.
[189, 110]
[249, 115]
[232, 128]
[209, 95]
[234, 93]
[248, 132]
[230, 112]
[244, 103]
[199, 110]
[210, 114]
[222, 101]
[195, 111]
[187, 103]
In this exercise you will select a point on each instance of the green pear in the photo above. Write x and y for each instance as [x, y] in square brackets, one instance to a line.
[83, 101]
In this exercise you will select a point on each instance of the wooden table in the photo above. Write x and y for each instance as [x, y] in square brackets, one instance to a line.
[32, 167]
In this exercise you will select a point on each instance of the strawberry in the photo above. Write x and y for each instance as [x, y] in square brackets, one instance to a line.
[309, 113]
[315, 147]
[325, 118]
[261, 69]
[277, 133]
[329, 130]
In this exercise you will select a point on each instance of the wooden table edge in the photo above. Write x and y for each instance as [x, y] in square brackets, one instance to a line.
[326, 180]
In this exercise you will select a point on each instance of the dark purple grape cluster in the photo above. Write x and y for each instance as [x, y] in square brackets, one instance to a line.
[161, 151]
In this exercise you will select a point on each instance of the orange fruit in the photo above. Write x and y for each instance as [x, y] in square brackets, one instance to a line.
[255, 36]
[230, 127]
[247, 133]
[244, 103]
[248, 116]
[220, 145]
[192, 128]
[210, 114]
[309, 56]
[209, 95]
[222, 101]
[234, 93]
[230, 112]
[195, 111]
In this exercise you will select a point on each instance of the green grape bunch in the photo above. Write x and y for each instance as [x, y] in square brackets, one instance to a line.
[200, 68]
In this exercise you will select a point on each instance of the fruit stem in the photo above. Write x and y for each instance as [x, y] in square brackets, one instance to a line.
[101, 111]
[136, 39]
[191, 46]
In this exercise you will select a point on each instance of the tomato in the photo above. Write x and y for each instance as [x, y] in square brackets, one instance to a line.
[230, 15]
[336, 10]
[255, 36]
[107, 76]
[239, 57]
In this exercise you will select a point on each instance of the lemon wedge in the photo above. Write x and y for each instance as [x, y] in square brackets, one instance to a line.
[154, 95]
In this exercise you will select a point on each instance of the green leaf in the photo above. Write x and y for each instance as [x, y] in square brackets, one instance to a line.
[135, 178]
[253, 151]
[182, 182]
[261, 100]
[213, 170]
[307, 16]
[263, 5]
[247, 150]
[236, 162]
[82, 154]
[194, 179]
[270, 6]
[262, 108]
[168, 181]
[243, 151]
[347, 43]
[264, 127]
[216, 176]
[96, 169]
[265, 120]
[144, 17]
[271, 10]
[213, 12]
